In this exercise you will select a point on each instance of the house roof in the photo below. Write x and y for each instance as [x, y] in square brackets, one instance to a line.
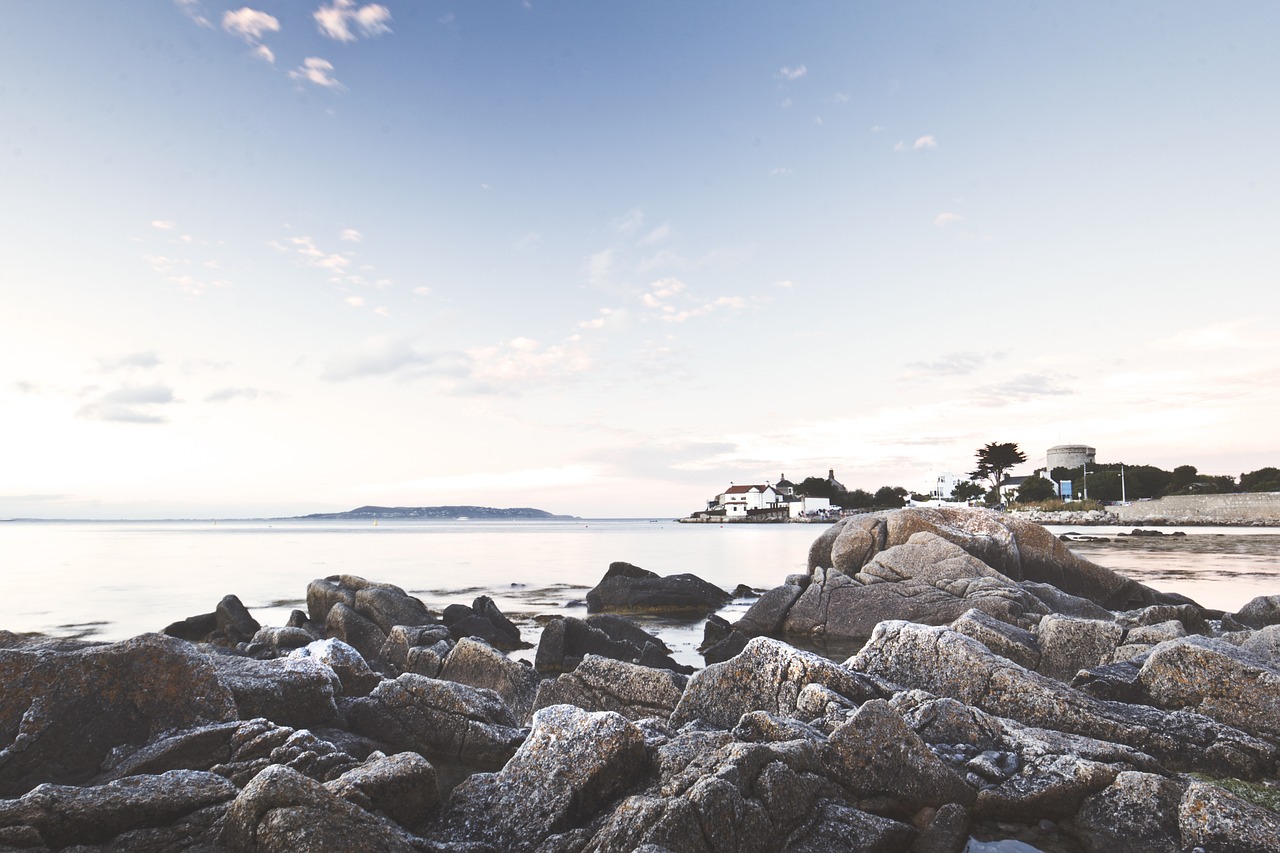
[742, 490]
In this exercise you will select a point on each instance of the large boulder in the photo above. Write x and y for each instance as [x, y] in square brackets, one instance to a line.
[282, 810]
[767, 676]
[1068, 645]
[63, 815]
[950, 664]
[292, 691]
[439, 719]
[484, 621]
[927, 579]
[630, 589]
[477, 664]
[572, 766]
[602, 684]
[1020, 550]
[64, 710]
[566, 640]
[401, 786]
[1260, 612]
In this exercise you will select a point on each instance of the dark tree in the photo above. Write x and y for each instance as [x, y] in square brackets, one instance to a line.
[858, 499]
[994, 460]
[967, 490]
[1262, 480]
[889, 496]
[1034, 489]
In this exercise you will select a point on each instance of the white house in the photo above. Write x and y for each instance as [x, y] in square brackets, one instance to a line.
[736, 500]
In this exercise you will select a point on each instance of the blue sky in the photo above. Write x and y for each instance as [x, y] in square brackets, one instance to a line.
[604, 259]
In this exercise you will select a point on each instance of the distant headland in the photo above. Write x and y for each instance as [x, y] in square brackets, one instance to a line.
[439, 512]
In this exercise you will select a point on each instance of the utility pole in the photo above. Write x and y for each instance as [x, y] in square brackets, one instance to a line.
[1084, 470]
[1123, 500]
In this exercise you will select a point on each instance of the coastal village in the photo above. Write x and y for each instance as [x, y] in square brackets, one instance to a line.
[768, 503]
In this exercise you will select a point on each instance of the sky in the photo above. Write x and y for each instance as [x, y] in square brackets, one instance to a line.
[604, 259]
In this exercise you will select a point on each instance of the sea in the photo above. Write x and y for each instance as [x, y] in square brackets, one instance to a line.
[110, 580]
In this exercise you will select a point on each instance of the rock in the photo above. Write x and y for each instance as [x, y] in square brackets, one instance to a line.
[875, 754]
[839, 827]
[767, 676]
[293, 691]
[345, 624]
[1137, 813]
[282, 810]
[1264, 644]
[928, 580]
[766, 616]
[1154, 634]
[485, 622]
[477, 664]
[63, 815]
[566, 640]
[630, 589]
[387, 606]
[573, 764]
[1216, 679]
[720, 640]
[438, 718]
[1192, 617]
[427, 661]
[1009, 641]
[283, 639]
[1068, 645]
[949, 664]
[1020, 550]
[402, 638]
[602, 684]
[193, 629]
[625, 630]
[1212, 819]
[354, 675]
[324, 593]
[257, 744]
[64, 709]
[401, 786]
[235, 623]
[1057, 601]
[1260, 612]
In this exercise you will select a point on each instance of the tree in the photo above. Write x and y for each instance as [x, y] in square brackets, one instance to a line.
[1262, 480]
[994, 460]
[890, 496]
[967, 490]
[1034, 489]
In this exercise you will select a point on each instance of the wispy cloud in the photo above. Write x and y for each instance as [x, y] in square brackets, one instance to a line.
[792, 74]
[1021, 388]
[946, 218]
[922, 143]
[657, 235]
[598, 267]
[226, 395]
[129, 361]
[343, 19]
[668, 300]
[250, 25]
[318, 71]
[163, 224]
[129, 404]
[951, 364]
[350, 235]
[397, 357]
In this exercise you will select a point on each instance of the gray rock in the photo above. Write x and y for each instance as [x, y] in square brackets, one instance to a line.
[566, 640]
[438, 719]
[258, 744]
[1192, 617]
[282, 810]
[949, 664]
[402, 638]
[1020, 550]
[603, 684]
[283, 639]
[427, 661]
[1009, 641]
[387, 606]
[1216, 679]
[355, 676]
[572, 766]
[235, 623]
[1152, 634]
[927, 579]
[345, 624]
[477, 664]
[1260, 612]
[1068, 645]
[293, 691]
[839, 827]
[1137, 813]
[1057, 601]
[766, 615]
[63, 815]
[720, 640]
[1264, 644]
[767, 676]
[401, 786]
[876, 754]
[64, 709]
[630, 589]
[1211, 819]
[626, 630]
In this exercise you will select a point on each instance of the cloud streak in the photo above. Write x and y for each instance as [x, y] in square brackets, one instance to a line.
[343, 19]
[130, 404]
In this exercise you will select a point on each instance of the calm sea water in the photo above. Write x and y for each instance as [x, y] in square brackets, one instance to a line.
[112, 580]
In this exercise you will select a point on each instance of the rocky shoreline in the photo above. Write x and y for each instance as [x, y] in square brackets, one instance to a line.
[1000, 687]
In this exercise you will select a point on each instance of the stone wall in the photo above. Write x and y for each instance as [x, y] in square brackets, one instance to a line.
[1251, 508]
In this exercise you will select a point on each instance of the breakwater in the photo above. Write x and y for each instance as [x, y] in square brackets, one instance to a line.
[1247, 509]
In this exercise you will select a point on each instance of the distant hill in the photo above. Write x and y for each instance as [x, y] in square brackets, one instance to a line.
[442, 512]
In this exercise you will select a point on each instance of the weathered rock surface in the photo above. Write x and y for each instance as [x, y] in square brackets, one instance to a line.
[62, 712]
[767, 676]
[438, 718]
[603, 684]
[294, 691]
[1260, 612]
[630, 589]
[477, 664]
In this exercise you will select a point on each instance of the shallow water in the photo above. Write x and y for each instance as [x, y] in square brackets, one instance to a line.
[111, 580]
